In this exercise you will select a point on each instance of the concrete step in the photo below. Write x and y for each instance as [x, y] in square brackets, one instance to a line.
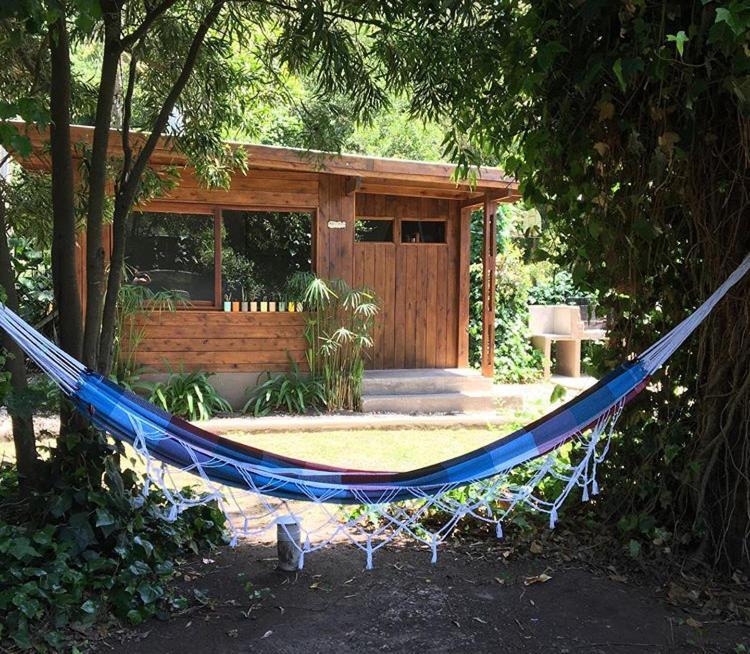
[453, 402]
[420, 381]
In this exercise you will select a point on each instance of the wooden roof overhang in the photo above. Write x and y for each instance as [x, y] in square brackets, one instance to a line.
[374, 175]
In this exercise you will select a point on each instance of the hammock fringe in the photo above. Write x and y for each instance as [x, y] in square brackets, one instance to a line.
[256, 488]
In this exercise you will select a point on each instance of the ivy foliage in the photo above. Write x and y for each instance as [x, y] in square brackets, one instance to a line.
[515, 360]
[628, 123]
[91, 548]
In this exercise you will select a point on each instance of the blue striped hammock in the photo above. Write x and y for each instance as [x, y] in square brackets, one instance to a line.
[258, 489]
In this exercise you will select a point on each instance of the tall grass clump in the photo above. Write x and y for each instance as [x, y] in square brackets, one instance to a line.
[338, 332]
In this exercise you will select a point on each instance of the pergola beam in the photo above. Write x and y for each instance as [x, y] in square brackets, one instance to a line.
[502, 195]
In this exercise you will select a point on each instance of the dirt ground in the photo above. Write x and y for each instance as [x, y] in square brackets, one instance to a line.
[475, 599]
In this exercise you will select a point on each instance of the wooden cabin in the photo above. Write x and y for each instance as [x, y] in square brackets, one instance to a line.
[398, 227]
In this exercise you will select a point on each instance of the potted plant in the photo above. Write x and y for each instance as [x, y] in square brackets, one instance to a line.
[227, 303]
[243, 303]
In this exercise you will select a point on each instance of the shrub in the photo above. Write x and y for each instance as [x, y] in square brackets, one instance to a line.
[90, 548]
[292, 391]
[515, 359]
[339, 333]
[189, 395]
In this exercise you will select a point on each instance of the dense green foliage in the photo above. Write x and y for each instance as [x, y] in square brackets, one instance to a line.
[90, 548]
[189, 395]
[338, 331]
[291, 392]
[628, 122]
[515, 360]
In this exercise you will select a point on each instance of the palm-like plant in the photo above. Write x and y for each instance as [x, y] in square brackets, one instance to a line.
[339, 333]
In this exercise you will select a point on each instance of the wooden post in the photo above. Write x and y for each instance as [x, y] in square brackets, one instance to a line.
[489, 256]
[288, 543]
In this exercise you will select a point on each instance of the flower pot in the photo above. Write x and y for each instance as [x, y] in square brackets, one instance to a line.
[263, 306]
[243, 306]
[271, 306]
[235, 306]
[253, 306]
[290, 307]
[299, 307]
[227, 306]
[282, 306]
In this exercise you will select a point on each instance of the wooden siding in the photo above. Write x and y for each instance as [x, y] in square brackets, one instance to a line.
[258, 188]
[333, 246]
[219, 341]
[417, 284]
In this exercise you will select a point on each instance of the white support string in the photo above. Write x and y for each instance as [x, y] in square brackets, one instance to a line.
[252, 511]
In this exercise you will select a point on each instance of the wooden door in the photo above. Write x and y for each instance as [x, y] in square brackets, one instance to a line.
[417, 288]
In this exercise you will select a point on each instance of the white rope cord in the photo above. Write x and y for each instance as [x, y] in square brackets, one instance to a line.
[252, 511]
[380, 522]
[655, 356]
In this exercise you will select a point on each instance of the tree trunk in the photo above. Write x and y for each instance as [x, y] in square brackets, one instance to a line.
[64, 277]
[23, 425]
[97, 185]
[130, 184]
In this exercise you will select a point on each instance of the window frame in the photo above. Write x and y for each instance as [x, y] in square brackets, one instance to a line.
[399, 238]
[391, 219]
[216, 210]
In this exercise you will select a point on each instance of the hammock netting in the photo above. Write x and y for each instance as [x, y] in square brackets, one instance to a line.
[258, 489]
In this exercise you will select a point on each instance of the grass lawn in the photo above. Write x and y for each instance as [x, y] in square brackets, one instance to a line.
[374, 449]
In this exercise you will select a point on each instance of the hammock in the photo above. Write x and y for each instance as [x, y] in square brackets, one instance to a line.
[282, 488]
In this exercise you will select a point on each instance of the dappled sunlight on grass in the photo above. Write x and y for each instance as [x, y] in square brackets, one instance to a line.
[375, 449]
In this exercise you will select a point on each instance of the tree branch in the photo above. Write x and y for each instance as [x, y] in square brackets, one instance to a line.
[129, 186]
[330, 14]
[139, 32]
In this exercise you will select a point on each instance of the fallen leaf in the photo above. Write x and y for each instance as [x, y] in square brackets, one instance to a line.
[606, 110]
[479, 620]
[499, 581]
[536, 547]
[266, 635]
[601, 148]
[692, 622]
[538, 579]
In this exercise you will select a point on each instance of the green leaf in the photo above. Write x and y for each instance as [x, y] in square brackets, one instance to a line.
[134, 616]
[104, 518]
[617, 68]
[679, 40]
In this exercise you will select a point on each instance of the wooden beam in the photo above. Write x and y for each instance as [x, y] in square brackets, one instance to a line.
[503, 195]
[353, 184]
[268, 157]
[489, 258]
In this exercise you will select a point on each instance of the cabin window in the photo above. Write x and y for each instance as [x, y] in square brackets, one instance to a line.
[422, 231]
[262, 251]
[172, 252]
[368, 230]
